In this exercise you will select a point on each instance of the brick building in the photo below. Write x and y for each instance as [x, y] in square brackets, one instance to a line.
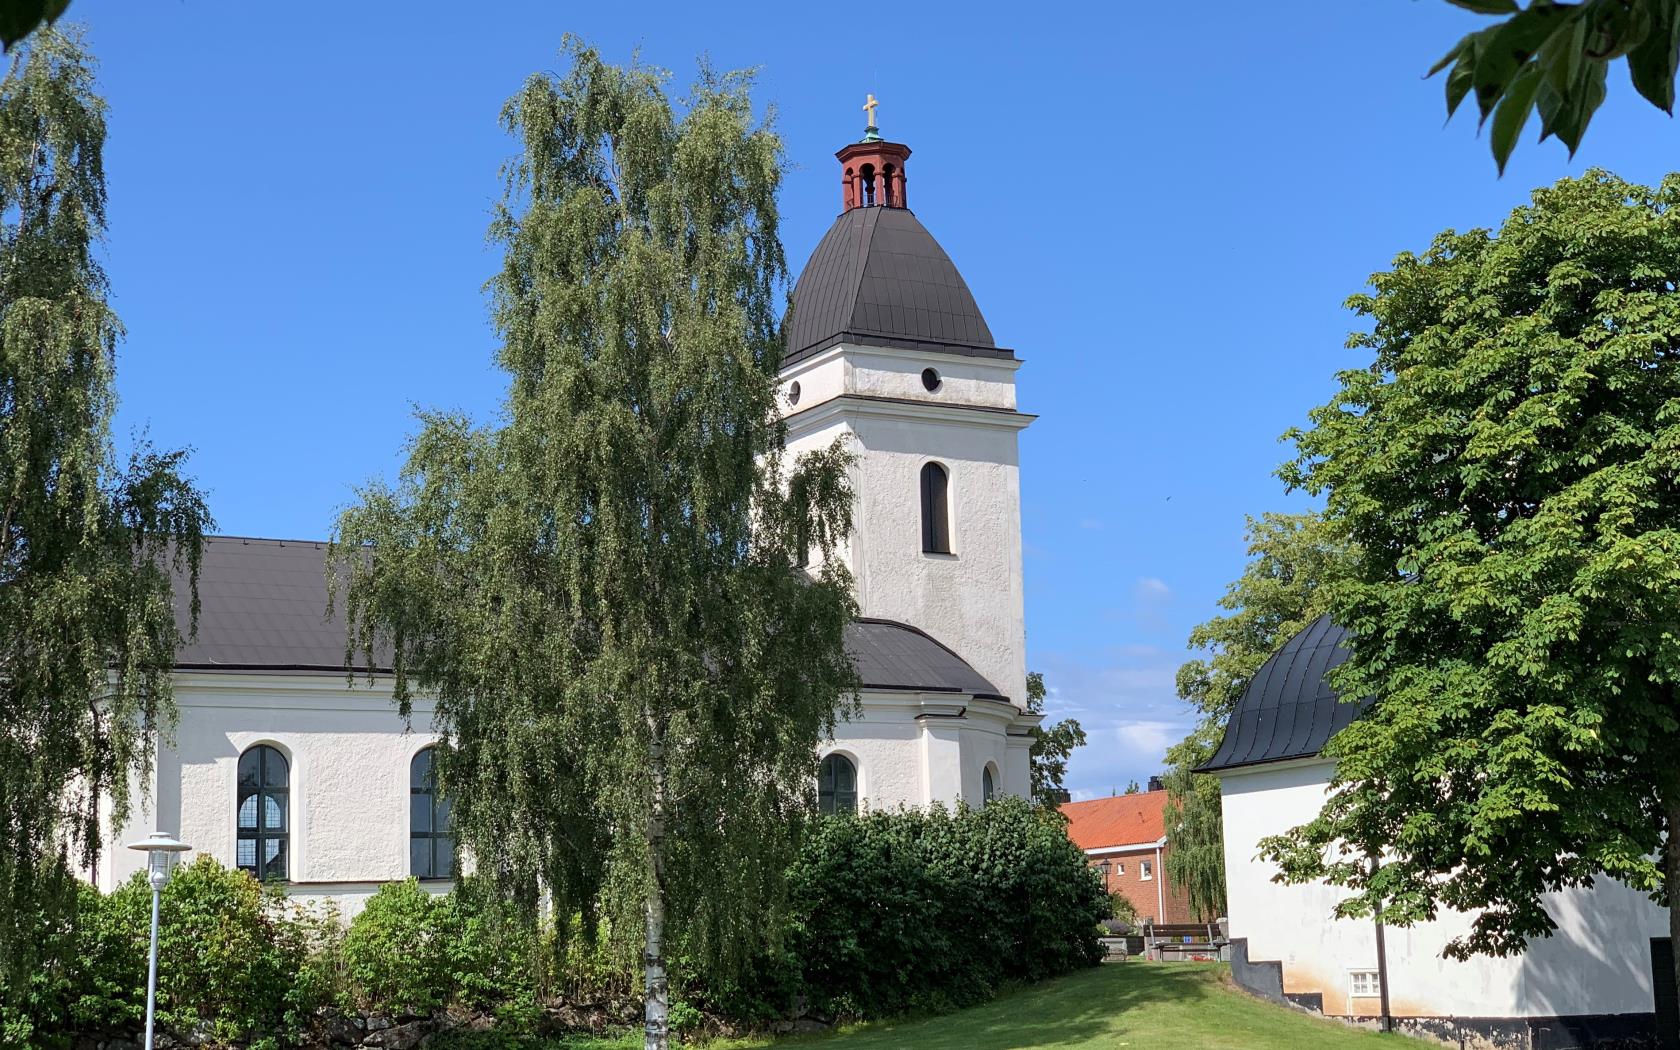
[1125, 837]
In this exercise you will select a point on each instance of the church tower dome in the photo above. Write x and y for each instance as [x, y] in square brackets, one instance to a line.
[878, 277]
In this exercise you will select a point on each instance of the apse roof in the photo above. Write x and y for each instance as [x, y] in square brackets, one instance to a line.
[1289, 710]
[879, 278]
[263, 608]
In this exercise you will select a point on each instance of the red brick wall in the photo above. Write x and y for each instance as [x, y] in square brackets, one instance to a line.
[1142, 892]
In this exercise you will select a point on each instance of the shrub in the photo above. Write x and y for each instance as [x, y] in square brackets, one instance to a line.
[396, 953]
[414, 953]
[928, 910]
[234, 954]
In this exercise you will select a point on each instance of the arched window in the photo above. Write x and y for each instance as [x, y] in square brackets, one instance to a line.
[264, 800]
[431, 842]
[988, 790]
[936, 509]
[837, 785]
[867, 198]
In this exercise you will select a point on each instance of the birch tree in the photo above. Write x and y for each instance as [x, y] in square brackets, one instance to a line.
[87, 627]
[601, 592]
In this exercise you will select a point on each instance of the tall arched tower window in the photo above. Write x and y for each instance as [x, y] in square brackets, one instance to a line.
[837, 785]
[936, 509]
[264, 798]
[431, 841]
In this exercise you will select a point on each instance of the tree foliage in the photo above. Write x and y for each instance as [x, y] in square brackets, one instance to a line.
[600, 593]
[1554, 58]
[1505, 462]
[87, 628]
[1052, 746]
[1281, 591]
[19, 18]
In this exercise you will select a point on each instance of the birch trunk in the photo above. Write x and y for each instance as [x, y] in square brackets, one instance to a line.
[656, 984]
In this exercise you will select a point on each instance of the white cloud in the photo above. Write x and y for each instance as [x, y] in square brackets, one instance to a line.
[1149, 739]
[1128, 707]
[1152, 589]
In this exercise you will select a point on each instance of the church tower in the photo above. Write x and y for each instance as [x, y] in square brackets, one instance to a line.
[887, 346]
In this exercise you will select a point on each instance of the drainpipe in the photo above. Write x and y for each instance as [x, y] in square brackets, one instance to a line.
[1160, 891]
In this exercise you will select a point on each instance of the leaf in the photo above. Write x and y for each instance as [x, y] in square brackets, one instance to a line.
[1652, 64]
[1513, 113]
[1487, 7]
[1510, 46]
[19, 18]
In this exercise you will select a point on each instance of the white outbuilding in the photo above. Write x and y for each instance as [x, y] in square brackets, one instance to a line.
[1603, 980]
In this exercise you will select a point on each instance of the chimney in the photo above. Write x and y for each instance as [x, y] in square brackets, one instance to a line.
[1156, 785]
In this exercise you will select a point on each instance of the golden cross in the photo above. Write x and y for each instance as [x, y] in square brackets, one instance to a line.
[869, 107]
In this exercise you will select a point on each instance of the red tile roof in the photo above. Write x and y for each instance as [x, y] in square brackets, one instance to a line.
[1121, 820]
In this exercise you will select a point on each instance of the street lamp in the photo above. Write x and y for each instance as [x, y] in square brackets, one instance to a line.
[160, 849]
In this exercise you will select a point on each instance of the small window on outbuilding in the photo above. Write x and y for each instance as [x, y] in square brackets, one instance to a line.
[837, 785]
[1363, 984]
[936, 509]
[1146, 870]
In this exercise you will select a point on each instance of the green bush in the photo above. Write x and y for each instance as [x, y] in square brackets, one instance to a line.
[396, 953]
[414, 953]
[925, 910]
[234, 955]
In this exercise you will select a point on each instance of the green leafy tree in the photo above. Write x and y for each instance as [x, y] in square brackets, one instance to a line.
[1554, 58]
[600, 593]
[1506, 464]
[1281, 591]
[87, 631]
[1052, 746]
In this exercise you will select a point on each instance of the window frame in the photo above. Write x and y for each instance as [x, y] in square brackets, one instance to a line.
[259, 834]
[988, 785]
[1374, 989]
[434, 834]
[1146, 871]
[835, 796]
[934, 482]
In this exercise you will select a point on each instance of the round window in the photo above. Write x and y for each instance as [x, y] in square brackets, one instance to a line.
[930, 378]
[793, 393]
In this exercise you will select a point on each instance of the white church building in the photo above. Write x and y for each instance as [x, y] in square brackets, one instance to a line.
[282, 766]
[1603, 980]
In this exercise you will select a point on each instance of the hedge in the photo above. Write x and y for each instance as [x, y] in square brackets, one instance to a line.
[889, 912]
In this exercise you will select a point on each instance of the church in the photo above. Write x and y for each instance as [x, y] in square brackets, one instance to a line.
[1603, 979]
[284, 767]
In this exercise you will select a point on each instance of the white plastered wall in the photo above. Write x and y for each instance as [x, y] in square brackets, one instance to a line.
[348, 753]
[1598, 961]
[971, 600]
[918, 749]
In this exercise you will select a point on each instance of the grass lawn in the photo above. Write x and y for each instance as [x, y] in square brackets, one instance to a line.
[1133, 1004]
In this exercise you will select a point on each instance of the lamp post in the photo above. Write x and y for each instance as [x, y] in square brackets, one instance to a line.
[160, 849]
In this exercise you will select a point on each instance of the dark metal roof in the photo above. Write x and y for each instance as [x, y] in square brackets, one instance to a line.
[263, 608]
[1289, 710]
[893, 655]
[878, 277]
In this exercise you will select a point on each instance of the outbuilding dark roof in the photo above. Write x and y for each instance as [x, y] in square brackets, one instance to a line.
[878, 277]
[1289, 710]
[263, 608]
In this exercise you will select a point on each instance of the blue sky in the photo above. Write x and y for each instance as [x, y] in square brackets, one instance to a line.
[1161, 207]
